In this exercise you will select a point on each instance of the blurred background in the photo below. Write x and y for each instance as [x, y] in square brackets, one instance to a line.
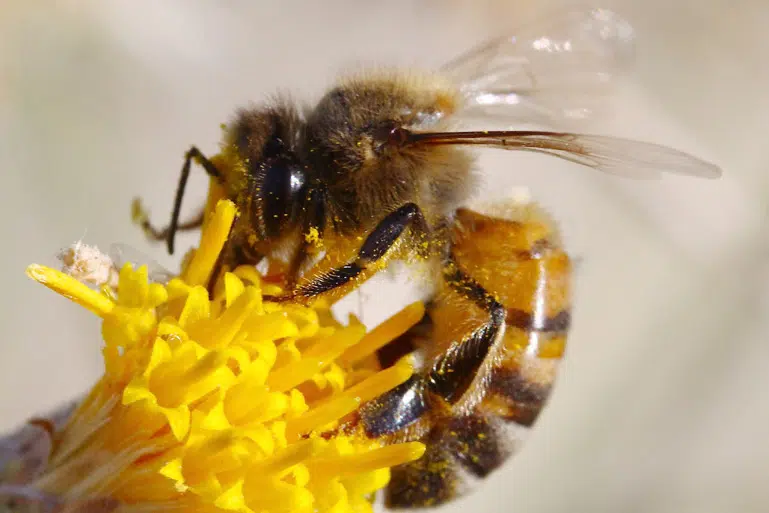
[663, 402]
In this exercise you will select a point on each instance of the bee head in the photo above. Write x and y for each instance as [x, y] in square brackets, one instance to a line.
[271, 182]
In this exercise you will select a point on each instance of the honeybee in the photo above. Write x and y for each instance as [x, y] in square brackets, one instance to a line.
[376, 172]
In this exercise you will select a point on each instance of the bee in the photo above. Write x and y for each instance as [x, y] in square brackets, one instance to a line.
[377, 171]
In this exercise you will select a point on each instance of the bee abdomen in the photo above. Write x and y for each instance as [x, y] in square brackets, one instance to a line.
[513, 398]
[460, 450]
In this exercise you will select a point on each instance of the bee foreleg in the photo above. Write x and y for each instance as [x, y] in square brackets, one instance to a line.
[141, 217]
[312, 229]
[374, 248]
[192, 154]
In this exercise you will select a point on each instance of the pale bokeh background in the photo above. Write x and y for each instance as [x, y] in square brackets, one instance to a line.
[663, 404]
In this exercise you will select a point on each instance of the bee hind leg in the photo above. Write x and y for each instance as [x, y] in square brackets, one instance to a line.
[438, 388]
[453, 372]
[462, 446]
[396, 409]
[447, 380]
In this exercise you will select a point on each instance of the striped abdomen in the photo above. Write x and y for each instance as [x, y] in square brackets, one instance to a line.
[482, 384]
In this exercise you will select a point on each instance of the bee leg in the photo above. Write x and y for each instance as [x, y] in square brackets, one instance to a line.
[312, 232]
[397, 409]
[439, 387]
[459, 445]
[376, 245]
[448, 378]
[192, 154]
[140, 216]
[453, 372]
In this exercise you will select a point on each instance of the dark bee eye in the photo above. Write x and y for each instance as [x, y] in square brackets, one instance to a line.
[282, 187]
[398, 136]
[389, 134]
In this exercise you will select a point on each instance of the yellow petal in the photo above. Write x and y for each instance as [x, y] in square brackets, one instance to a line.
[212, 241]
[286, 458]
[72, 289]
[355, 464]
[320, 417]
[157, 295]
[173, 470]
[348, 401]
[177, 288]
[233, 288]
[297, 405]
[169, 329]
[289, 376]
[249, 274]
[137, 390]
[389, 330]
[218, 333]
[270, 327]
[367, 483]
[196, 307]
[178, 419]
[262, 436]
[250, 402]
[161, 352]
[232, 498]
[216, 420]
[381, 382]
[133, 286]
[277, 496]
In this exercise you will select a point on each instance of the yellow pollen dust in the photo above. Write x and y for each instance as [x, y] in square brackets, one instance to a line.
[223, 402]
[313, 237]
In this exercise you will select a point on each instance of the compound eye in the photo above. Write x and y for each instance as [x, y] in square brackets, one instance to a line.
[389, 135]
[282, 186]
[398, 136]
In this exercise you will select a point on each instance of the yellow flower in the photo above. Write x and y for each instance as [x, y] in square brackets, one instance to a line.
[223, 403]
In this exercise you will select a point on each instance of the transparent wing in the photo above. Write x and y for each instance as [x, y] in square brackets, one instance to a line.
[605, 153]
[555, 69]
[123, 253]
